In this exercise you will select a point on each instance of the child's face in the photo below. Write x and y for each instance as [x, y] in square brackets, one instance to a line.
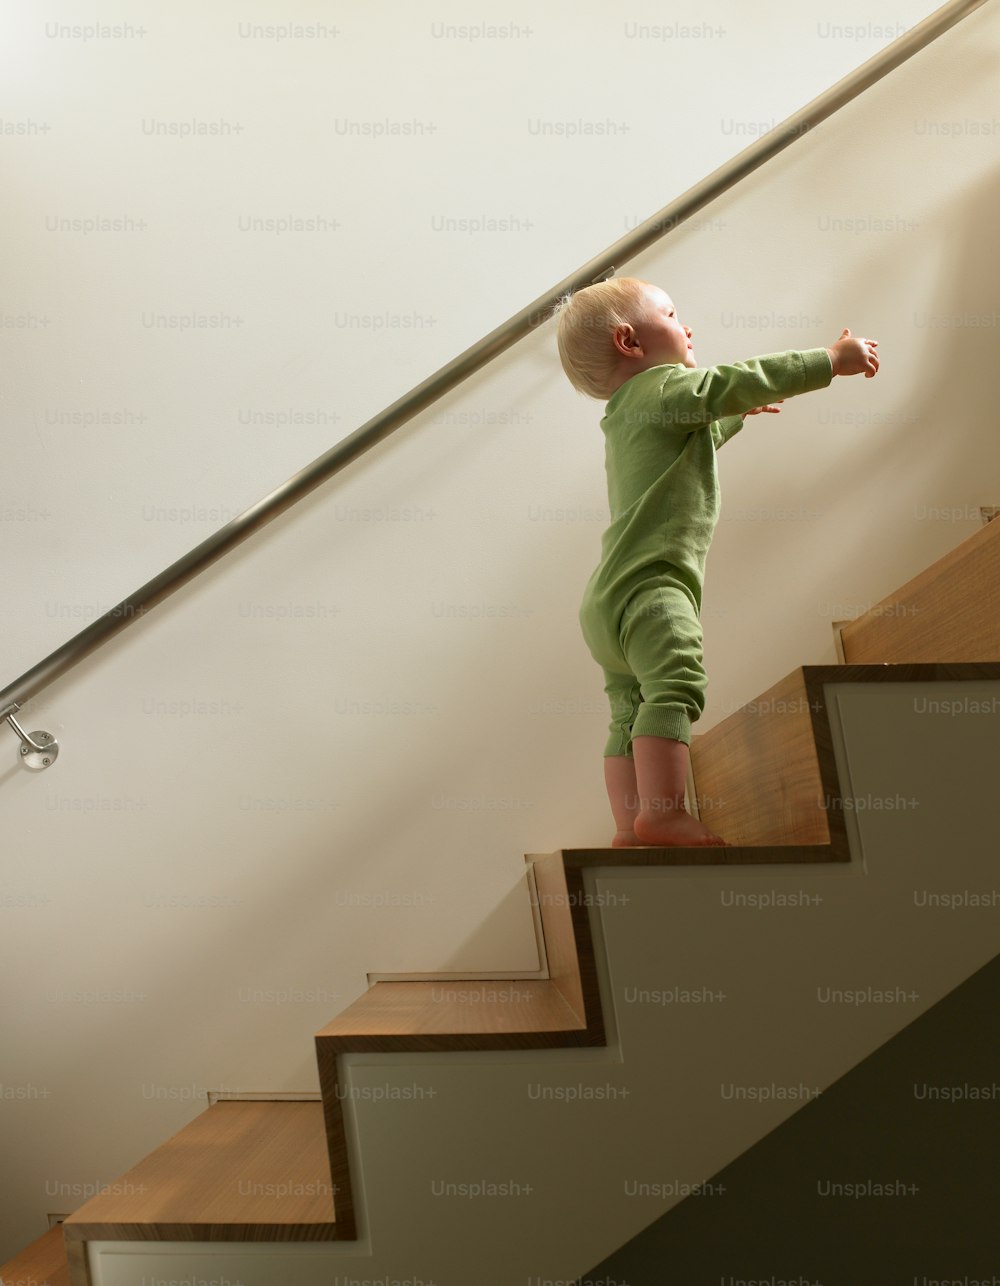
[660, 333]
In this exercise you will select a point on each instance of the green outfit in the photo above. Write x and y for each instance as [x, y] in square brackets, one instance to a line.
[640, 610]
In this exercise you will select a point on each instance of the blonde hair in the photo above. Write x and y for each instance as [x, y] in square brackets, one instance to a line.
[587, 322]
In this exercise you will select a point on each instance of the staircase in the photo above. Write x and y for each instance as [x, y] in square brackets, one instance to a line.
[498, 1130]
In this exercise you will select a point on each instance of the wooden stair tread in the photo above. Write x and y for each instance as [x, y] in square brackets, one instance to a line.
[492, 1006]
[240, 1169]
[949, 612]
[43, 1263]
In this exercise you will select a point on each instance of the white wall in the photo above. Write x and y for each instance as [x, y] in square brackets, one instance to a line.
[327, 756]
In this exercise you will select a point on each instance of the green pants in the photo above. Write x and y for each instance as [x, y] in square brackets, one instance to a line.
[652, 661]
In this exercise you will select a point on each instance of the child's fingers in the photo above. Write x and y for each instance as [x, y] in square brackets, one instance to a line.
[868, 348]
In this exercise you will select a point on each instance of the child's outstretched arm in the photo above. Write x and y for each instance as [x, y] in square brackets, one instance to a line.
[691, 397]
[849, 356]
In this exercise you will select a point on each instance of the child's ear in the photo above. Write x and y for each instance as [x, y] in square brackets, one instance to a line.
[626, 341]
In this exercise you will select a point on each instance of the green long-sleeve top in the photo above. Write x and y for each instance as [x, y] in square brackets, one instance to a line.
[662, 430]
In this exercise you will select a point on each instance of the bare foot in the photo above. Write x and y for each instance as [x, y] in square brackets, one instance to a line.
[676, 828]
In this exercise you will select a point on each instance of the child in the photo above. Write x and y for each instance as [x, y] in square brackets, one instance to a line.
[621, 341]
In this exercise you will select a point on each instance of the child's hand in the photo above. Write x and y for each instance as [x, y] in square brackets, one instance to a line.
[774, 409]
[852, 356]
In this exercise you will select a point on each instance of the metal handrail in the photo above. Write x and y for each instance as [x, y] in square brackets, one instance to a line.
[470, 361]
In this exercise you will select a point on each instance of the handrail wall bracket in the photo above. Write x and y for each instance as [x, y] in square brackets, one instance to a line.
[38, 749]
